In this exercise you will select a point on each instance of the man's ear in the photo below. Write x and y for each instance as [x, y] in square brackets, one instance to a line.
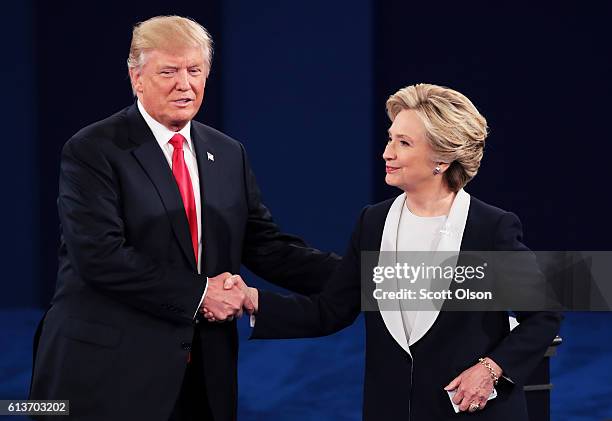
[136, 80]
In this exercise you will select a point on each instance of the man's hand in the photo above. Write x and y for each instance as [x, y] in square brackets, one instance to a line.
[222, 301]
[252, 296]
[474, 386]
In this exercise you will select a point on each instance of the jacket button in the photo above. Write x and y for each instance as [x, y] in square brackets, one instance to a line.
[186, 346]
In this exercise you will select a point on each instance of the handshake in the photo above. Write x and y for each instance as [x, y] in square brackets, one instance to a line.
[227, 297]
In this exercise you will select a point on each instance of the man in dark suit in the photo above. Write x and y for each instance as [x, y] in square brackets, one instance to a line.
[156, 212]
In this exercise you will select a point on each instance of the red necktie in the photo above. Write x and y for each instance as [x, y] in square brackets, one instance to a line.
[181, 175]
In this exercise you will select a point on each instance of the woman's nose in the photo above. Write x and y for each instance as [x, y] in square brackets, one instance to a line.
[388, 153]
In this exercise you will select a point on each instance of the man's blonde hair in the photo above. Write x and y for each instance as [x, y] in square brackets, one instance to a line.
[455, 130]
[168, 33]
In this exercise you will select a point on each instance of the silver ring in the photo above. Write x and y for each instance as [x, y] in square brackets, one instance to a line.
[474, 407]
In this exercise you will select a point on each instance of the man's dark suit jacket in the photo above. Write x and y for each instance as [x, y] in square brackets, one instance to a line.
[396, 386]
[116, 338]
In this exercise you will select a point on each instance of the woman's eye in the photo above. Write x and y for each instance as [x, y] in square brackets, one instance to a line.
[404, 143]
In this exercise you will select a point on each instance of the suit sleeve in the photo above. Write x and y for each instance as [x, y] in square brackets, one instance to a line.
[523, 348]
[89, 206]
[298, 316]
[280, 258]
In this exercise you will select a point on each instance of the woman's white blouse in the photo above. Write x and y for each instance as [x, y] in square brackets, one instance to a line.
[417, 233]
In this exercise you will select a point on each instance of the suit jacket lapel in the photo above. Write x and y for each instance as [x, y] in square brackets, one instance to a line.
[153, 161]
[207, 171]
[390, 309]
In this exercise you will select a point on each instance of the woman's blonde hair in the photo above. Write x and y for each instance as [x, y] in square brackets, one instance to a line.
[455, 130]
[168, 33]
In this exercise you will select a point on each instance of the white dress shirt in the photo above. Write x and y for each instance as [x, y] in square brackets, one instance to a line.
[163, 135]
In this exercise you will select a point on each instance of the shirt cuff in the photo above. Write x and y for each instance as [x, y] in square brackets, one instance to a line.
[202, 299]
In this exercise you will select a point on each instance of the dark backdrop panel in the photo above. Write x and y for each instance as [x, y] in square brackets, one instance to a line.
[297, 91]
[19, 190]
[81, 49]
[541, 77]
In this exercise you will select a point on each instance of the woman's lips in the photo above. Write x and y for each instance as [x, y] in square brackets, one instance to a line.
[390, 170]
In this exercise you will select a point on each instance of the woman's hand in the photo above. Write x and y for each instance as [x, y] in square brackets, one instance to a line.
[474, 386]
[251, 302]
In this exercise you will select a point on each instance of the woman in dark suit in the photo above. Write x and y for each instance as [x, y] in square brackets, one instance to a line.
[414, 358]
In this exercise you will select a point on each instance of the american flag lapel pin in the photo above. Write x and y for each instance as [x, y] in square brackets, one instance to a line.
[211, 157]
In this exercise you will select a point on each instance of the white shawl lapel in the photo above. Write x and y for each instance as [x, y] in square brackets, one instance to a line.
[388, 244]
[450, 241]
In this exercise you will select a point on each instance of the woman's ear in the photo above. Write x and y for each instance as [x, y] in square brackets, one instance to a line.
[440, 168]
[443, 166]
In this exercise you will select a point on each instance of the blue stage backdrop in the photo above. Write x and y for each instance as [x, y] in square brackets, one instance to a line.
[297, 90]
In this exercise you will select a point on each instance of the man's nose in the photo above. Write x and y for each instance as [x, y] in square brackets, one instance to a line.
[182, 80]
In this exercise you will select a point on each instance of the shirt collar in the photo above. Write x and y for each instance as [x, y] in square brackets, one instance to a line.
[162, 133]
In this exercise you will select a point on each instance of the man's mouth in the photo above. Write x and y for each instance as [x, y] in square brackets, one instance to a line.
[183, 100]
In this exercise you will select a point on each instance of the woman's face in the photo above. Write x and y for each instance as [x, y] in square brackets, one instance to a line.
[408, 156]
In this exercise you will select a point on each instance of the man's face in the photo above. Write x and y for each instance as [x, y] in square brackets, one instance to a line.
[170, 85]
